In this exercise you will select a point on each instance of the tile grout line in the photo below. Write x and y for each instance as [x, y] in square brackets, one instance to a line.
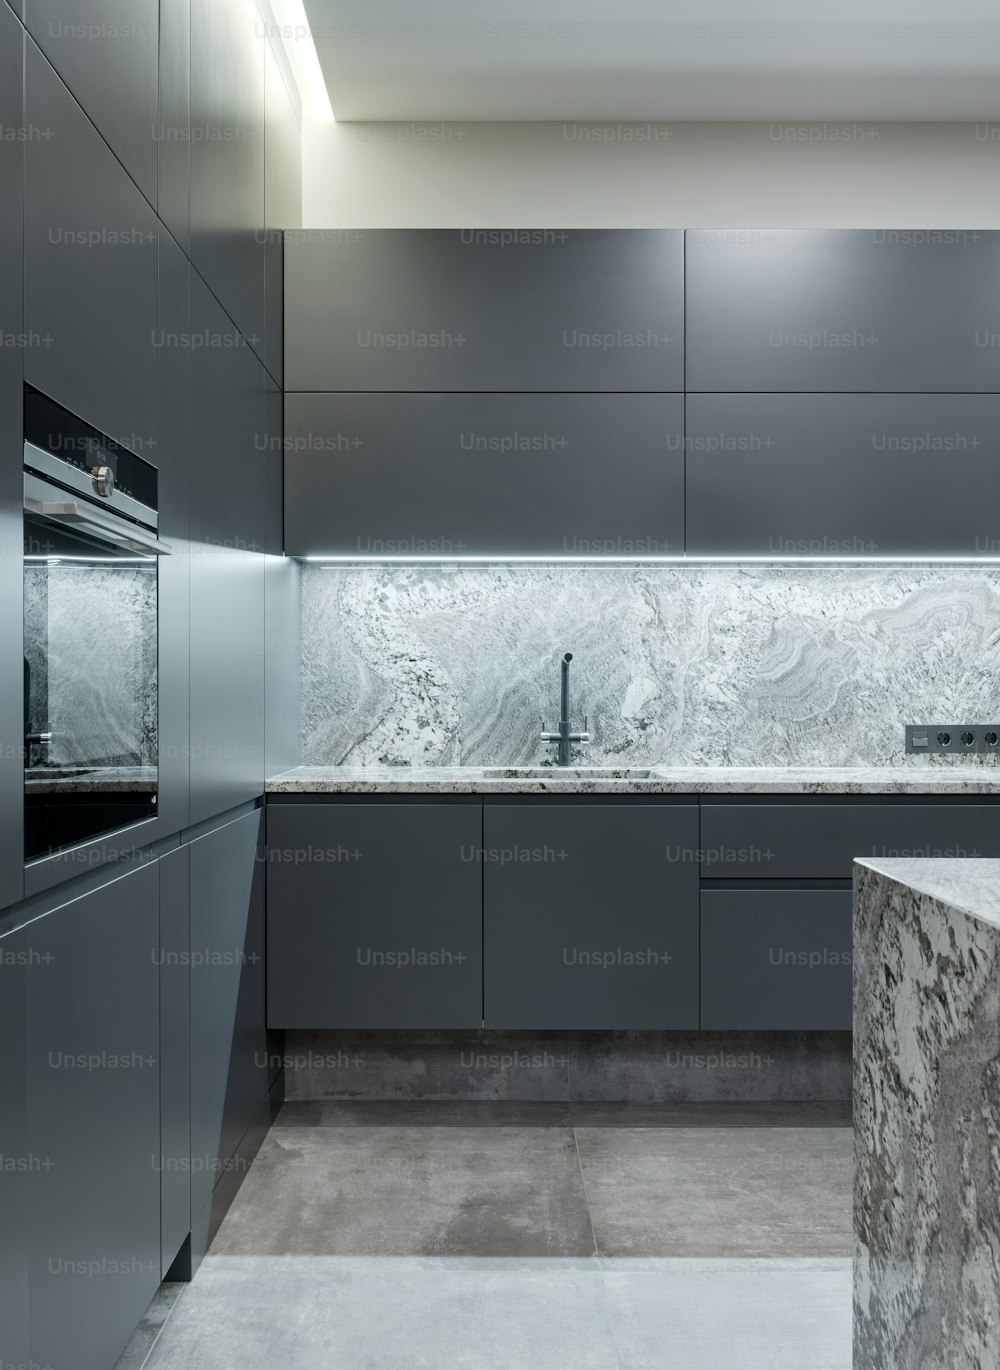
[597, 1255]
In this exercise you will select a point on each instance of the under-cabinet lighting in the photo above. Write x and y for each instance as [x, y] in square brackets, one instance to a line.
[916, 558]
[300, 49]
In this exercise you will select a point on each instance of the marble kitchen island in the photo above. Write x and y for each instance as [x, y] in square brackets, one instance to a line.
[927, 1114]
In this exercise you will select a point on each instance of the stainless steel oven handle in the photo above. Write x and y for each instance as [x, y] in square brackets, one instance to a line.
[48, 502]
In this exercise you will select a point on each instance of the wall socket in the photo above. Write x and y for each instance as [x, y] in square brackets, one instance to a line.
[953, 737]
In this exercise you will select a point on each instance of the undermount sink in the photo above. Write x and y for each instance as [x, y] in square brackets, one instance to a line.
[564, 773]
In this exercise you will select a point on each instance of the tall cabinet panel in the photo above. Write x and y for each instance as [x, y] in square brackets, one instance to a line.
[484, 309]
[106, 52]
[174, 127]
[89, 269]
[282, 202]
[175, 1053]
[172, 457]
[18, 1163]
[230, 1067]
[227, 157]
[11, 374]
[228, 537]
[94, 1118]
[830, 310]
[282, 612]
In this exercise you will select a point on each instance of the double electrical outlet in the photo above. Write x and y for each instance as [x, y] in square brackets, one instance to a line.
[953, 737]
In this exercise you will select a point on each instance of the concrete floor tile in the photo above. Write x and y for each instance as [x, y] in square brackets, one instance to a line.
[411, 1191]
[413, 1112]
[730, 1314]
[336, 1313]
[731, 1115]
[719, 1191]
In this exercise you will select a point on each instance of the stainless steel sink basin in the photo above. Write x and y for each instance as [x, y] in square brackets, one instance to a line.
[556, 773]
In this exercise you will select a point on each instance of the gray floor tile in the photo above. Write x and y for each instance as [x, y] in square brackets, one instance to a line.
[719, 1191]
[711, 1115]
[409, 1113]
[135, 1355]
[411, 1191]
[336, 1313]
[731, 1314]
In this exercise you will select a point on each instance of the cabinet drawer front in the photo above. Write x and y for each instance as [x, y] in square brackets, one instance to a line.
[821, 841]
[590, 916]
[374, 916]
[776, 959]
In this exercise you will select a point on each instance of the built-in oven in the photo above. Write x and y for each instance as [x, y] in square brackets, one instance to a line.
[91, 552]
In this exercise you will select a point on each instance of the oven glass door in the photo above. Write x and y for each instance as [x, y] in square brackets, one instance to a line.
[90, 685]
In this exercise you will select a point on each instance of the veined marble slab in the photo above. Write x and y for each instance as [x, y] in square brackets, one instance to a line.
[927, 1115]
[661, 780]
[102, 780]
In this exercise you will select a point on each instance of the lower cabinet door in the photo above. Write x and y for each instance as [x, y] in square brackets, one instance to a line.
[776, 959]
[374, 916]
[93, 1122]
[591, 916]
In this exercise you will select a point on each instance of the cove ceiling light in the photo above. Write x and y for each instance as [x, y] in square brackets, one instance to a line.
[296, 36]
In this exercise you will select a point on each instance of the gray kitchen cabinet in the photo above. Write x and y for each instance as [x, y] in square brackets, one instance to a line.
[174, 963]
[172, 458]
[843, 310]
[282, 612]
[570, 474]
[228, 530]
[106, 53]
[590, 915]
[817, 841]
[11, 479]
[776, 959]
[282, 203]
[227, 158]
[15, 1157]
[842, 475]
[90, 259]
[374, 915]
[231, 1065]
[93, 1079]
[484, 309]
[174, 123]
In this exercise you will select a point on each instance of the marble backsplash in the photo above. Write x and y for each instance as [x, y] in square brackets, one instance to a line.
[737, 665]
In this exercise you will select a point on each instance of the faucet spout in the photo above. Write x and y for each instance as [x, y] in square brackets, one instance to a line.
[565, 738]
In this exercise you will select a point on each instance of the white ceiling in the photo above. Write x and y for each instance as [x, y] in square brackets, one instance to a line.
[600, 60]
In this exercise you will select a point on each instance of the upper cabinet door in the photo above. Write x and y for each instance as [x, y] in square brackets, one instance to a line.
[484, 309]
[875, 310]
[90, 257]
[227, 158]
[106, 52]
[484, 474]
[843, 475]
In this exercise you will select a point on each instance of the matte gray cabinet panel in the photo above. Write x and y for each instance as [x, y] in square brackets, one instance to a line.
[484, 309]
[16, 1169]
[172, 457]
[11, 480]
[374, 916]
[230, 1063]
[590, 916]
[822, 841]
[94, 1121]
[106, 52]
[90, 257]
[174, 127]
[484, 473]
[227, 157]
[282, 202]
[175, 1053]
[854, 475]
[776, 959]
[796, 309]
[229, 528]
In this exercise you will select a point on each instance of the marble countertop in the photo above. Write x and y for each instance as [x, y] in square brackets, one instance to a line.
[980, 779]
[969, 885]
[102, 780]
